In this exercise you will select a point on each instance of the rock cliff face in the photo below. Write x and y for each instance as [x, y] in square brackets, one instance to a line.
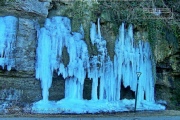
[32, 9]
[18, 85]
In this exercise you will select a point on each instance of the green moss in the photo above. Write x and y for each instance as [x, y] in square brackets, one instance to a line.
[175, 27]
[4, 2]
[175, 99]
[155, 31]
[83, 12]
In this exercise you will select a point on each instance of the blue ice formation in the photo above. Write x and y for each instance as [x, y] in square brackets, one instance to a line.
[129, 58]
[8, 29]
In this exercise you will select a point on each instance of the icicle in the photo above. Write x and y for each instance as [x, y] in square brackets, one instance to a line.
[93, 33]
[8, 31]
[81, 30]
[2, 38]
[43, 69]
[94, 75]
[99, 29]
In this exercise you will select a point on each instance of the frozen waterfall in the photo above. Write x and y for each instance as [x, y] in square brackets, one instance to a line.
[8, 26]
[129, 58]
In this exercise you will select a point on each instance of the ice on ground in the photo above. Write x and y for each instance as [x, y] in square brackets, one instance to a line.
[92, 106]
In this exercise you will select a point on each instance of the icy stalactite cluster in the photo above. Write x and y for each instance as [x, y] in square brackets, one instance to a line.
[101, 67]
[8, 29]
[129, 58]
[52, 38]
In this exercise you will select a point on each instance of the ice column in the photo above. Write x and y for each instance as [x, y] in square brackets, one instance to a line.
[101, 67]
[43, 67]
[146, 81]
[131, 58]
[8, 29]
[53, 37]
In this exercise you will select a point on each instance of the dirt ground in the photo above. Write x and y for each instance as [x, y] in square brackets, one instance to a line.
[119, 114]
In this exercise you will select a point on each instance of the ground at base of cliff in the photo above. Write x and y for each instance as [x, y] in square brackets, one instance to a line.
[116, 114]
